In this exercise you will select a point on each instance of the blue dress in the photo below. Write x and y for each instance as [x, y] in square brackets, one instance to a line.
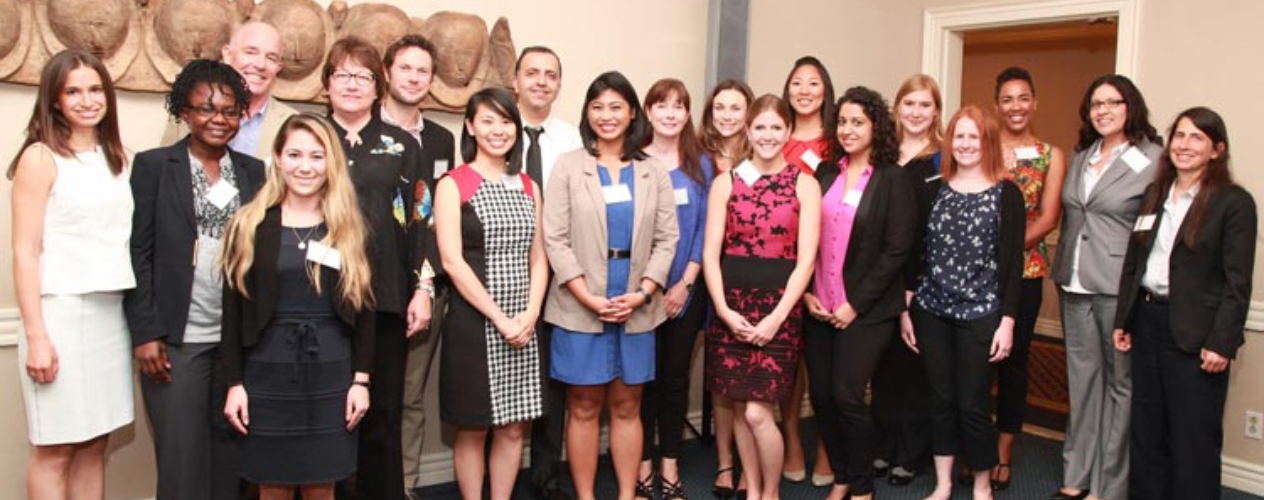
[596, 358]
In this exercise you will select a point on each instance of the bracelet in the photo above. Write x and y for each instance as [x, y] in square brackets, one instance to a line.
[428, 288]
[362, 383]
[645, 294]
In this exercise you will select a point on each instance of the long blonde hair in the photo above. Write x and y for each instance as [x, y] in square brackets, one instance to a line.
[347, 232]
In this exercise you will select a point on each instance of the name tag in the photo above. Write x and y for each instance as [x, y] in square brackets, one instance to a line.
[1026, 153]
[618, 193]
[748, 173]
[221, 194]
[811, 159]
[933, 178]
[1135, 159]
[319, 253]
[512, 181]
[853, 198]
[682, 196]
[1144, 223]
[441, 167]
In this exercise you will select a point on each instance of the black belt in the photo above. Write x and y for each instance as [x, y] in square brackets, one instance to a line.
[618, 253]
[1153, 298]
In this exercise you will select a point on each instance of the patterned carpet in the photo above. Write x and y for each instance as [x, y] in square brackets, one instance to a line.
[1037, 470]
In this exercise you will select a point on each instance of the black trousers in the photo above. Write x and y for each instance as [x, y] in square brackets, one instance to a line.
[840, 364]
[380, 471]
[547, 431]
[1177, 414]
[901, 407]
[666, 398]
[955, 353]
[1011, 373]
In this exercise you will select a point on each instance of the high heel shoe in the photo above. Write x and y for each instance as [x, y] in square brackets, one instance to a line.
[724, 492]
[997, 483]
[645, 488]
[670, 490]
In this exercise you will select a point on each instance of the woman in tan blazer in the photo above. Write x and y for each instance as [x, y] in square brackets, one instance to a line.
[610, 234]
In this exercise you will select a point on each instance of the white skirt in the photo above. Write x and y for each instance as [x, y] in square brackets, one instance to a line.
[92, 394]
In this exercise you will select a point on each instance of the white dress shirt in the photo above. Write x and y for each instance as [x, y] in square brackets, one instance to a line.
[558, 137]
[1158, 271]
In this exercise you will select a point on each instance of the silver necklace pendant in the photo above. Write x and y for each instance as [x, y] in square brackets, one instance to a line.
[302, 245]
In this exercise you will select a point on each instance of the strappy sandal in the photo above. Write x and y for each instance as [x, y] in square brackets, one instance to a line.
[672, 491]
[997, 483]
[645, 489]
[724, 492]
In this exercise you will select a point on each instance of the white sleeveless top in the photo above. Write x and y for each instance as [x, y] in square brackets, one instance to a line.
[87, 228]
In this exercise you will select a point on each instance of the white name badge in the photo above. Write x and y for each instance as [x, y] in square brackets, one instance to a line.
[1027, 153]
[1135, 159]
[441, 167]
[618, 193]
[221, 194]
[1144, 223]
[853, 198]
[811, 159]
[748, 173]
[682, 196]
[512, 181]
[319, 253]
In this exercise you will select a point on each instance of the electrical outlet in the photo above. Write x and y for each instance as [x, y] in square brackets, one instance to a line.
[1254, 425]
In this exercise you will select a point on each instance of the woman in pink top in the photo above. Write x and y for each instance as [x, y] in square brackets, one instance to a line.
[867, 230]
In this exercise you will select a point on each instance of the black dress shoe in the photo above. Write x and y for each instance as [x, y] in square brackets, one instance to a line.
[999, 484]
[1059, 495]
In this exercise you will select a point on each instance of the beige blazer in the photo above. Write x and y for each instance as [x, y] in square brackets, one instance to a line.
[576, 241]
[273, 118]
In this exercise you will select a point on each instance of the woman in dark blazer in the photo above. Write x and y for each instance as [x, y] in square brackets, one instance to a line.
[1183, 301]
[867, 230]
[184, 196]
[298, 318]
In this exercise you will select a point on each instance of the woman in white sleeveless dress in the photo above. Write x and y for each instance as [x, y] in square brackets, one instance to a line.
[72, 219]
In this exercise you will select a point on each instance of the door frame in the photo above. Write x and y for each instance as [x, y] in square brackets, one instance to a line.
[942, 29]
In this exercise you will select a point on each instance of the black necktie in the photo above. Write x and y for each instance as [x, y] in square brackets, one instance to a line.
[535, 164]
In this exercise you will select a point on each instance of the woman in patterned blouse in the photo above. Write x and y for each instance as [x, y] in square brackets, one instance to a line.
[964, 308]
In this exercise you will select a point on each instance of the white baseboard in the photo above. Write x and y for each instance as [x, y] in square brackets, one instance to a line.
[1242, 475]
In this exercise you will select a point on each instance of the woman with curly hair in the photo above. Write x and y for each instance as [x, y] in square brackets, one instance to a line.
[867, 230]
[185, 194]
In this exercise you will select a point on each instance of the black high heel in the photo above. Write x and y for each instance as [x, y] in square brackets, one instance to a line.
[645, 489]
[724, 492]
[670, 490]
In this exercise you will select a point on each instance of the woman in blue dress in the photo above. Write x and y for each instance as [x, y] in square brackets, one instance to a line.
[610, 234]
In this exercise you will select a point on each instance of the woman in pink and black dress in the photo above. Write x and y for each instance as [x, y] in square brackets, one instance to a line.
[758, 264]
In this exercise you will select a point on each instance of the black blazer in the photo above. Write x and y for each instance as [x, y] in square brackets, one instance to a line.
[1010, 244]
[1210, 284]
[164, 229]
[882, 236]
[245, 319]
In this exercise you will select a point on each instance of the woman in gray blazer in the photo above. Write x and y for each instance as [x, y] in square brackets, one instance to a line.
[1114, 161]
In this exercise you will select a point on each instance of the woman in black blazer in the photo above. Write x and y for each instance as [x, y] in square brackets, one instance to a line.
[298, 318]
[867, 229]
[184, 196]
[1183, 297]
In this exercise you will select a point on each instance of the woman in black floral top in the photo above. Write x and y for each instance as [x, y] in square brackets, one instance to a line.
[391, 183]
[964, 308]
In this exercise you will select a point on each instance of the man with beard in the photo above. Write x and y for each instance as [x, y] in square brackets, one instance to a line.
[409, 71]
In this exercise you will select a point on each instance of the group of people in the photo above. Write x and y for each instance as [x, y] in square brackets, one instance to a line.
[283, 281]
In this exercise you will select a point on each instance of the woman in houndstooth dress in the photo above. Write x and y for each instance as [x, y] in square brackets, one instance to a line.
[487, 219]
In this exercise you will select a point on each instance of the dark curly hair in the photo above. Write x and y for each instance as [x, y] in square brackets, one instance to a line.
[885, 149]
[213, 73]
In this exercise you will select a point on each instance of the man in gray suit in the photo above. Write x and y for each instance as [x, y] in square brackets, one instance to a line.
[1114, 161]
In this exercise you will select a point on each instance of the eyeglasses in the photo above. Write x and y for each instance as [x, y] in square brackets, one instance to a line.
[360, 79]
[208, 112]
[1108, 104]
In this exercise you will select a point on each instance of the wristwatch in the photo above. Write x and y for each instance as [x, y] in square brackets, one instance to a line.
[648, 297]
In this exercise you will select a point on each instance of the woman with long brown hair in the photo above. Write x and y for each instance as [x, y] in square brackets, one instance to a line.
[72, 217]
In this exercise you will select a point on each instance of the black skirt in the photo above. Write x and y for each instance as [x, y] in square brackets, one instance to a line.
[296, 380]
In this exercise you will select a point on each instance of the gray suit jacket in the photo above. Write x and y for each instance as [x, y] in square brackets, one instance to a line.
[1103, 221]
